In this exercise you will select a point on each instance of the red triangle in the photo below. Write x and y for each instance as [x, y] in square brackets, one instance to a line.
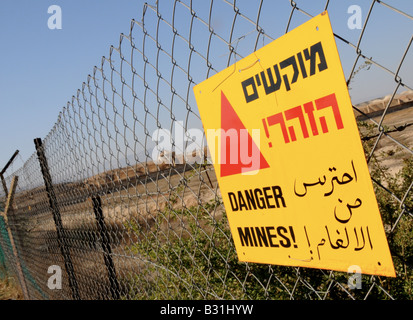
[233, 163]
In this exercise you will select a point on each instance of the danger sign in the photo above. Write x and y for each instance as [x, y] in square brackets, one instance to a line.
[288, 157]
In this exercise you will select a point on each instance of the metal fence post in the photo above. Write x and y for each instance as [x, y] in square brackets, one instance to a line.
[107, 251]
[6, 192]
[57, 218]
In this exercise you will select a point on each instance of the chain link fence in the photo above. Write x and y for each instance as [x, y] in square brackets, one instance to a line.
[101, 205]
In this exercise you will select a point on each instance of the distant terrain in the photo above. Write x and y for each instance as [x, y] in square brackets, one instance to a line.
[397, 123]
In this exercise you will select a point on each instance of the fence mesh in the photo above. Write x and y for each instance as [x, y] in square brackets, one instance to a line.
[122, 225]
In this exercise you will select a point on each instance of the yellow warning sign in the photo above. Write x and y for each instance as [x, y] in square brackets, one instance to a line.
[289, 160]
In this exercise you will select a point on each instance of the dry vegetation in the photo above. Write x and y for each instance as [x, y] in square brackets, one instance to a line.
[9, 290]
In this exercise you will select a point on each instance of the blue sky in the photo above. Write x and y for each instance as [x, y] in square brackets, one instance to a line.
[41, 69]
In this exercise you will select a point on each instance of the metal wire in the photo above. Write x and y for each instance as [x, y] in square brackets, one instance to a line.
[133, 228]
